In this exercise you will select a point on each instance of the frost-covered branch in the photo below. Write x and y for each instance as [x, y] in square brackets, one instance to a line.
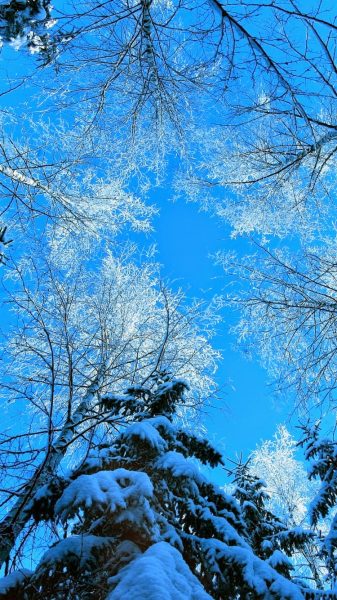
[289, 309]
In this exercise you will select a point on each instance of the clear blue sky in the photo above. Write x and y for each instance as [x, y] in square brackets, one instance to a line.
[186, 239]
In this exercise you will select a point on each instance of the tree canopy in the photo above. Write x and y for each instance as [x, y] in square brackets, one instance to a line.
[108, 368]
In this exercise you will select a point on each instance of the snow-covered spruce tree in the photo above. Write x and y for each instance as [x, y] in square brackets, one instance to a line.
[269, 537]
[322, 453]
[138, 520]
[290, 492]
[25, 23]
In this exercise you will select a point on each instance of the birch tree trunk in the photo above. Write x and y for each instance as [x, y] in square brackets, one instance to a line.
[19, 515]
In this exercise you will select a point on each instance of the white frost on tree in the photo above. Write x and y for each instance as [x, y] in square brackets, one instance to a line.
[290, 494]
[287, 484]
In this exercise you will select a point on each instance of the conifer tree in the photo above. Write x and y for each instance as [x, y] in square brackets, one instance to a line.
[25, 22]
[322, 453]
[139, 520]
[268, 536]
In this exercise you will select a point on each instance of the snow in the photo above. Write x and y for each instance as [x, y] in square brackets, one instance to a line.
[329, 543]
[113, 490]
[18, 42]
[171, 385]
[163, 422]
[78, 547]
[49, 24]
[36, 43]
[266, 545]
[225, 529]
[13, 579]
[94, 461]
[169, 534]
[146, 432]
[179, 466]
[43, 492]
[247, 504]
[160, 572]
[125, 552]
[262, 579]
[278, 558]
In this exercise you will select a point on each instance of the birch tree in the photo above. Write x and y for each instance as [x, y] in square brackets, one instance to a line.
[78, 333]
[288, 304]
[56, 182]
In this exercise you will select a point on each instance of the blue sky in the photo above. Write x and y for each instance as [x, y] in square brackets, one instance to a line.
[248, 412]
